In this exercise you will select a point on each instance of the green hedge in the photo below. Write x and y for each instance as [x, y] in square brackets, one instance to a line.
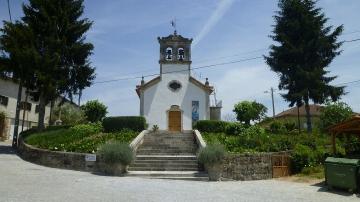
[118, 123]
[210, 126]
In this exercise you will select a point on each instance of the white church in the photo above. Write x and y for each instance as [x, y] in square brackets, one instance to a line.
[175, 100]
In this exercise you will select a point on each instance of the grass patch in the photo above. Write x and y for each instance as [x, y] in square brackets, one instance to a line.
[314, 172]
[72, 140]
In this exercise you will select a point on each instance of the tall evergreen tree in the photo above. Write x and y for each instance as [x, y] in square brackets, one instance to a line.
[305, 47]
[17, 61]
[64, 67]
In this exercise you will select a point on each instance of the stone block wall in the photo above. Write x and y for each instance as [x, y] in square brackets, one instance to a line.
[65, 160]
[256, 166]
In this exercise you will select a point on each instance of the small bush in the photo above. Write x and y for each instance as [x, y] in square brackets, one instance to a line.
[253, 131]
[155, 128]
[302, 156]
[277, 127]
[50, 128]
[115, 124]
[234, 128]
[212, 154]
[87, 129]
[116, 152]
[290, 126]
[211, 126]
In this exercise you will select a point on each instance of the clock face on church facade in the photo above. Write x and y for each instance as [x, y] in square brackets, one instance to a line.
[174, 86]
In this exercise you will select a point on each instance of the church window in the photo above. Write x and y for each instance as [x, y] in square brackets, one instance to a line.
[174, 85]
[168, 53]
[181, 54]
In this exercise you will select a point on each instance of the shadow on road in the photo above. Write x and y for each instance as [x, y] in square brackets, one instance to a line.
[6, 149]
[343, 192]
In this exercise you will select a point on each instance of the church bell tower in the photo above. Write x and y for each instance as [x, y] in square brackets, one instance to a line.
[175, 53]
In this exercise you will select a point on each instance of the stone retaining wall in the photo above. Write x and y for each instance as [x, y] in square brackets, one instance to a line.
[256, 166]
[65, 160]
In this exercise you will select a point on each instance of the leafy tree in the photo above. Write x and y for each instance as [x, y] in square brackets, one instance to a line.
[247, 111]
[17, 61]
[334, 113]
[305, 46]
[94, 110]
[69, 114]
[63, 67]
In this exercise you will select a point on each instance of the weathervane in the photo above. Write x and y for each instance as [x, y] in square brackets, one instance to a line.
[173, 24]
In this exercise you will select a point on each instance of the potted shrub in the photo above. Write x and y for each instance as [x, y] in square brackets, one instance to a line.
[211, 157]
[115, 157]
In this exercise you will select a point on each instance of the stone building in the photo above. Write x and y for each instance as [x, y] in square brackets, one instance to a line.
[174, 99]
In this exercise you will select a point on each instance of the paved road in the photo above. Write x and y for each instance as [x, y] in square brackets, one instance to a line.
[24, 181]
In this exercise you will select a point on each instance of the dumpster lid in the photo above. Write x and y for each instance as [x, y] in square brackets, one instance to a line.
[342, 161]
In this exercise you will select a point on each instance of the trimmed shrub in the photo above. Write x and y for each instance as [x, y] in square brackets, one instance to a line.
[212, 154]
[210, 126]
[118, 123]
[116, 152]
[234, 128]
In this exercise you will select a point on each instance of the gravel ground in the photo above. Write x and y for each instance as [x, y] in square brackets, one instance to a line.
[24, 181]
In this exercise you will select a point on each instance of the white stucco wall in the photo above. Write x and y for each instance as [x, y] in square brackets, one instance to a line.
[9, 89]
[159, 98]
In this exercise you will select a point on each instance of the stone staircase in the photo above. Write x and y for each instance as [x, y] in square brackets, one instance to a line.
[168, 155]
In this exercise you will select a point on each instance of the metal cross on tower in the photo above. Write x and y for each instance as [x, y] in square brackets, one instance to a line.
[173, 24]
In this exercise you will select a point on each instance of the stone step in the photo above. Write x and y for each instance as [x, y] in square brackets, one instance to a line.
[170, 175]
[165, 153]
[166, 157]
[162, 169]
[166, 150]
[162, 161]
[146, 148]
[169, 142]
[165, 165]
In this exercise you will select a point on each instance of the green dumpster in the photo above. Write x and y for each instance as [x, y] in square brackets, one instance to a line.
[342, 173]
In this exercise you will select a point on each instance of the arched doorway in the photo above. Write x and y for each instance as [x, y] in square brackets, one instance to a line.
[174, 118]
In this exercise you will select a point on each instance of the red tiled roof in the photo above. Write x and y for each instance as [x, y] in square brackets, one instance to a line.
[314, 111]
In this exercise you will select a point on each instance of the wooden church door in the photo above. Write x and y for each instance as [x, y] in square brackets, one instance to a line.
[175, 121]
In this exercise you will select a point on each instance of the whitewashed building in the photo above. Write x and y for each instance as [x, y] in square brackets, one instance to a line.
[174, 100]
[28, 113]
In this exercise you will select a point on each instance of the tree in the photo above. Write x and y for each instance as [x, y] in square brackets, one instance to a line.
[305, 47]
[63, 67]
[69, 114]
[334, 113]
[247, 111]
[94, 110]
[17, 61]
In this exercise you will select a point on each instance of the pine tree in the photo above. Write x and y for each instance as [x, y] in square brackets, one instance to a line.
[305, 47]
[64, 67]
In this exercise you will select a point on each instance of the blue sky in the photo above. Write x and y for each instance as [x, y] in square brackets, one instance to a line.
[125, 38]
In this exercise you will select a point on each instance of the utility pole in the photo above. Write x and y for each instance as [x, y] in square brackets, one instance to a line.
[272, 99]
[9, 10]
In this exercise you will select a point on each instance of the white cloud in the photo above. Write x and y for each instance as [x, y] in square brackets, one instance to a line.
[221, 9]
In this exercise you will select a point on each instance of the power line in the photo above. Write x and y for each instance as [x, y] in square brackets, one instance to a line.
[347, 41]
[200, 67]
[194, 68]
[350, 82]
